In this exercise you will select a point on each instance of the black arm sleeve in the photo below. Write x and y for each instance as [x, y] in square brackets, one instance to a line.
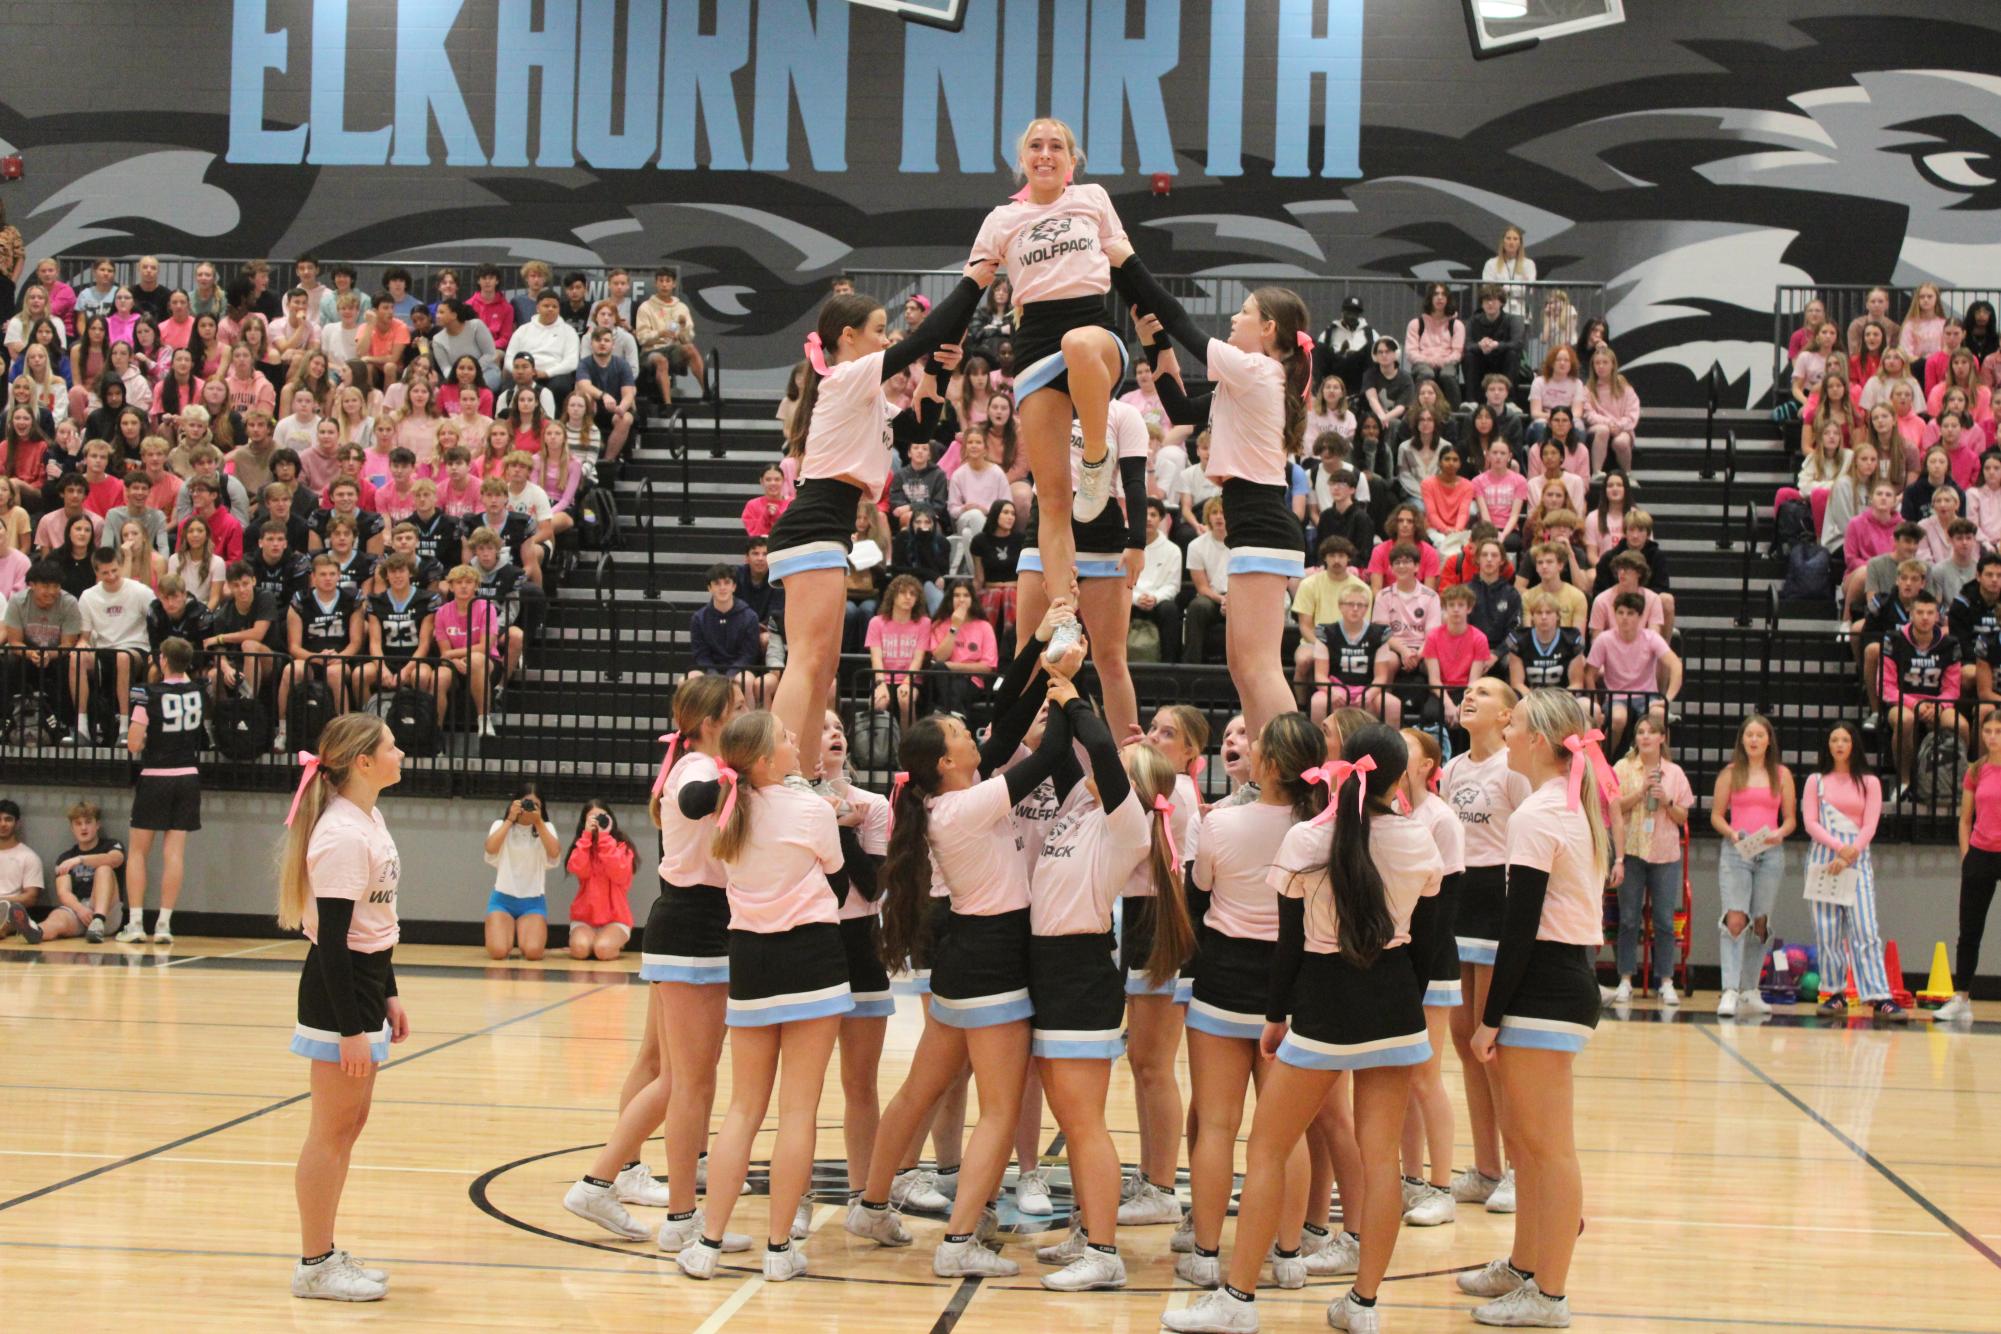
[1180, 407]
[1014, 708]
[392, 981]
[702, 799]
[946, 323]
[1425, 923]
[336, 964]
[1198, 899]
[1527, 888]
[1143, 290]
[1132, 476]
[914, 423]
[842, 880]
[1286, 959]
[1103, 750]
[1025, 777]
[863, 870]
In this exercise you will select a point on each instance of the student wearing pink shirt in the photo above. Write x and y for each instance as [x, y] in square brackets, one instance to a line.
[1502, 490]
[1610, 410]
[1435, 340]
[963, 648]
[1344, 997]
[1630, 571]
[337, 882]
[1543, 1004]
[780, 846]
[1411, 611]
[468, 637]
[761, 512]
[898, 638]
[1979, 862]
[1404, 526]
[1238, 907]
[841, 430]
[1840, 808]
[1633, 664]
[1754, 810]
[1454, 654]
[1654, 801]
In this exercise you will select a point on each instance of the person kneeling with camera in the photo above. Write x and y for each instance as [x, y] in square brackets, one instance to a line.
[522, 849]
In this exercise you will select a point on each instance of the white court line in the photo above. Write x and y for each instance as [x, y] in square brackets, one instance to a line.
[737, 1301]
[233, 954]
[468, 1172]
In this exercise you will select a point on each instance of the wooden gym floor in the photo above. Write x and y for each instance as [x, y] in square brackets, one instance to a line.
[1783, 1175]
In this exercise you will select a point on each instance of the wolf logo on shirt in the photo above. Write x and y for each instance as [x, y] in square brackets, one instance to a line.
[1049, 229]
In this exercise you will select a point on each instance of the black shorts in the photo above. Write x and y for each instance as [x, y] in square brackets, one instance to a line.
[1232, 986]
[1556, 1006]
[676, 355]
[1137, 915]
[1038, 343]
[937, 928]
[167, 802]
[784, 977]
[1079, 996]
[1346, 1017]
[317, 1033]
[815, 531]
[687, 936]
[1434, 949]
[868, 980]
[980, 974]
[1100, 544]
[1264, 536]
[1483, 899]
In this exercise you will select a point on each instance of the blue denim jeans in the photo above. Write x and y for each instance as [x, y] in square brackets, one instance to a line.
[1664, 879]
[1749, 887]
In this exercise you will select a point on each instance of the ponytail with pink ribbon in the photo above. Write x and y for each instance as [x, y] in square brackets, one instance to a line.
[1165, 809]
[895, 790]
[816, 353]
[310, 772]
[1585, 753]
[1336, 772]
[673, 740]
[726, 774]
[1306, 350]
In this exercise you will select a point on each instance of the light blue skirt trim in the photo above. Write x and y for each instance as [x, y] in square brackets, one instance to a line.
[920, 981]
[872, 1005]
[808, 556]
[1136, 986]
[1007, 1007]
[320, 1044]
[1206, 1018]
[1477, 951]
[1071, 1045]
[789, 1009]
[1267, 560]
[1444, 995]
[1042, 372]
[1029, 561]
[1097, 565]
[696, 970]
[1184, 990]
[1546, 1034]
[1410, 1049]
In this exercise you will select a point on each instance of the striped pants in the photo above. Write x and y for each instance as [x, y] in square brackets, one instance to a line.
[1850, 933]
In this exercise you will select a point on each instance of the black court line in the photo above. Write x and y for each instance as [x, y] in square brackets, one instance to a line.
[1883, 1169]
[280, 1105]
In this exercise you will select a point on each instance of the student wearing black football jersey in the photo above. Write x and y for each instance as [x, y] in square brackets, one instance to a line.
[344, 502]
[357, 567]
[510, 593]
[1353, 661]
[279, 510]
[88, 877]
[1888, 613]
[1543, 653]
[323, 631]
[175, 615]
[242, 631]
[425, 574]
[437, 533]
[1974, 617]
[1921, 683]
[512, 527]
[166, 737]
[280, 571]
[399, 631]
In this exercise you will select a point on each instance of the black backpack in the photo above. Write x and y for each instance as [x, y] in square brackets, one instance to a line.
[1794, 526]
[1809, 574]
[242, 729]
[872, 742]
[413, 718]
[597, 519]
[312, 708]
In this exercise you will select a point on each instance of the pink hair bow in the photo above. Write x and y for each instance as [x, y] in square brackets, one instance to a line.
[1197, 765]
[1585, 753]
[1336, 772]
[1023, 192]
[723, 771]
[896, 782]
[312, 769]
[816, 353]
[1306, 349]
[673, 740]
[1166, 810]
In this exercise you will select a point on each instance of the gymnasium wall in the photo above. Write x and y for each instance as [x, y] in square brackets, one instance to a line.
[1691, 158]
[445, 883]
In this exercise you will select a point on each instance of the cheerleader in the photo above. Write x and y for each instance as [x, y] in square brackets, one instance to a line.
[1153, 1019]
[1232, 971]
[684, 954]
[952, 809]
[1543, 1001]
[842, 426]
[1483, 790]
[337, 875]
[1427, 1201]
[1343, 995]
[1256, 417]
[1109, 552]
[1115, 827]
[1067, 358]
[788, 987]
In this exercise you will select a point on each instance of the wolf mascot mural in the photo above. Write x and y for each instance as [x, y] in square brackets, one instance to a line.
[1839, 149]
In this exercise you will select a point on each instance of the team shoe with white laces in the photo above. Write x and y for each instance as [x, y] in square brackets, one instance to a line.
[1527, 1307]
[1066, 1250]
[1149, 1206]
[969, 1259]
[1341, 1255]
[1472, 1187]
[1344, 1312]
[637, 1185]
[1217, 1313]
[1497, 1278]
[372, 1274]
[1204, 1271]
[802, 1220]
[699, 1259]
[335, 1279]
[1434, 1206]
[681, 1234]
[597, 1203]
[789, 1261]
[918, 1190]
[1092, 1271]
[1031, 1193]
[1094, 487]
[1287, 1271]
[1502, 1201]
[880, 1226]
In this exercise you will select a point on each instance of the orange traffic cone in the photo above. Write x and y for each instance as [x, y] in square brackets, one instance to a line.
[1848, 992]
[1938, 990]
[1893, 966]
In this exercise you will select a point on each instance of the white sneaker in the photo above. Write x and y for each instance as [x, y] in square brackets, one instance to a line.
[1959, 1007]
[1341, 1255]
[1204, 1271]
[1470, 1187]
[1031, 1193]
[1094, 487]
[782, 1265]
[486, 727]
[1150, 1206]
[1750, 1002]
[131, 934]
[987, 1230]
[331, 1281]
[1130, 1184]
[1344, 1312]
[1065, 634]
[680, 1235]
[1217, 1313]
[163, 933]
[969, 1259]
[1495, 1279]
[637, 1185]
[802, 1220]
[278, 737]
[1669, 997]
[918, 1190]
[1623, 993]
[1413, 1191]
[698, 1261]
[880, 1226]
[1526, 1306]
[702, 1178]
[1502, 1201]
[1287, 1271]
[1092, 1271]
[1183, 1240]
[1063, 1252]
[1726, 1005]
[1435, 1207]
[600, 1206]
[369, 1272]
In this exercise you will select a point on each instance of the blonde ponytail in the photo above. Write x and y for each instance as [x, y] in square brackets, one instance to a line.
[749, 738]
[1555, 715]
[344, 741]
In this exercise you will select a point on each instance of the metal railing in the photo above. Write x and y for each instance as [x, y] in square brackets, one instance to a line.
[1847, 302]
[1745, 560]
[178, 271]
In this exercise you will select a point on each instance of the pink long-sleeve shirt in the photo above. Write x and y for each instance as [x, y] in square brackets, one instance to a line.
[1861, 802]
[1621, 412]
[1434, 341]
[1867, 537]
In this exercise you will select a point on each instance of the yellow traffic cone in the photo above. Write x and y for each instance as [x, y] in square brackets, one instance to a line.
[1938, 990]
